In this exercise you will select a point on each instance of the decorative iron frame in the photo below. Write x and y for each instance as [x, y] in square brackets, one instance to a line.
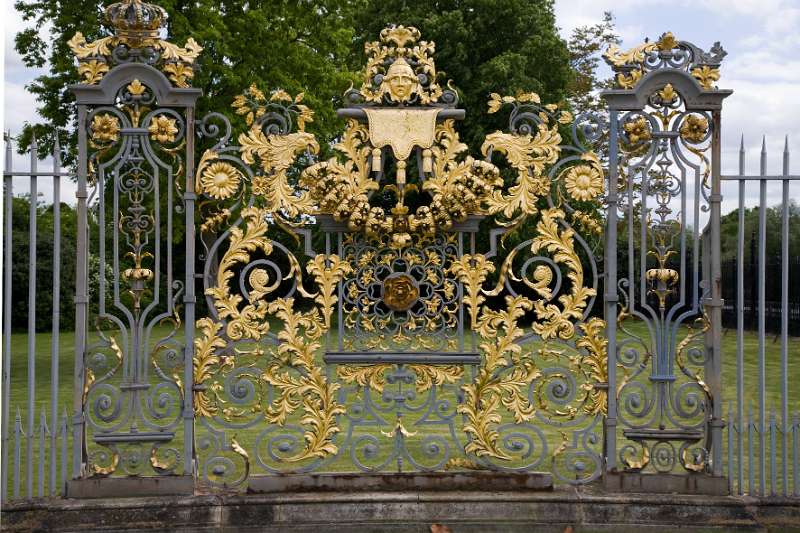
[665, 124]
[443, 355]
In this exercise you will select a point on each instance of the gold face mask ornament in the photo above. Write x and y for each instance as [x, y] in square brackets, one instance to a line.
[400, 81]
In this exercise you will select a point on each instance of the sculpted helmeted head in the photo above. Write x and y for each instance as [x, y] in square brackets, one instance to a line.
[400, 81]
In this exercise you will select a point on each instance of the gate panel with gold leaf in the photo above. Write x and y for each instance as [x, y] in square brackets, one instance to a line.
[357, 321]
[407, 304]
[664, 177]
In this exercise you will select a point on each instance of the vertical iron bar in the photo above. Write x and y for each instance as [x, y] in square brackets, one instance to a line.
[610, 294]
[42, 449]
[81, 298]
[54, 378]
[796, 446]
[740, 318]
[785, 319]
[730, 448]
[17, 439]
[7, 207]
[64, 458]
[772, 455]
[31, 316]
[762, 306]
[715, 378]
[189, 298]
[750, 460]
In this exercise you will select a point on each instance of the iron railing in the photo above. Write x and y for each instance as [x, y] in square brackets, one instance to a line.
[763, 449]
[131, 401]
[35, 439]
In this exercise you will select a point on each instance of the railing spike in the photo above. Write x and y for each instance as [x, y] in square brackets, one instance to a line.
[741, 156]
[786, 155]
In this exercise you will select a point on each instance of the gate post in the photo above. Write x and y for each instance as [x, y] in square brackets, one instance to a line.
[664, 158]
[81, 297]
[610, 297]
[189, 299]
[133, 374]
[714, 303]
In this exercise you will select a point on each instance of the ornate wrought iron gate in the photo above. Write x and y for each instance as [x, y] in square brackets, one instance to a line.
[400, 305]
[136, 145]
[396, 343]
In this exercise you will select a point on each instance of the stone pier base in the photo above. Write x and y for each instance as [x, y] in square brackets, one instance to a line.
[665, 483]
[584, 510]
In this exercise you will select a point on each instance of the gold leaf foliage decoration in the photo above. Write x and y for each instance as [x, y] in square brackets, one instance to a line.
[555, 321]
[205, 365]
[306, 387]
[277, 153]
[137, 26]
[706, 76]
[595, 362]
[300, 383]
[630, 66]
[92, 71]
[373, 376]
[528, 155]
[493, 387]
[472, 271]
[248, 322]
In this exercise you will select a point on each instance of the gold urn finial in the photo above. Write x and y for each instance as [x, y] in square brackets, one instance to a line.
[135, 21]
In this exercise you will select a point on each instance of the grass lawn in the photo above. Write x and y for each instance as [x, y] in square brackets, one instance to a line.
[19, 389]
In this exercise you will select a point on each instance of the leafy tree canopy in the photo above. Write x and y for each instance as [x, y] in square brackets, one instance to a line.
[298, 46]
[485, 46]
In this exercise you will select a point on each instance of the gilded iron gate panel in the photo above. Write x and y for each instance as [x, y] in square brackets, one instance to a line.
[136, 131]
[358, 323]
[664, 186]
[400, 306]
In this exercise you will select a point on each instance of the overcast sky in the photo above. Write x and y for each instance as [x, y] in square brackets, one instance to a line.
[762, 66]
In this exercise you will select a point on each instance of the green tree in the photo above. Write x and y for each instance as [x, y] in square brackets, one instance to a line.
[298, 46]
[729, 232]
[20, 273]
[586, 44]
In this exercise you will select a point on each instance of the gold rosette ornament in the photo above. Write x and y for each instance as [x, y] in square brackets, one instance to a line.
[105, 128]
[163, 129]
[694, 128]
[583, 182]
[220, 180]
[638, 130]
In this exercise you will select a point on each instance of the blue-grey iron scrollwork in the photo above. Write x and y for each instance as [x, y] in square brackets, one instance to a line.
[664, 170]
[133, 390]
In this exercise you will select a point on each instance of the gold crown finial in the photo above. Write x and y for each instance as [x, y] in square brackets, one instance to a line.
[400, 35]
[135, 21]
